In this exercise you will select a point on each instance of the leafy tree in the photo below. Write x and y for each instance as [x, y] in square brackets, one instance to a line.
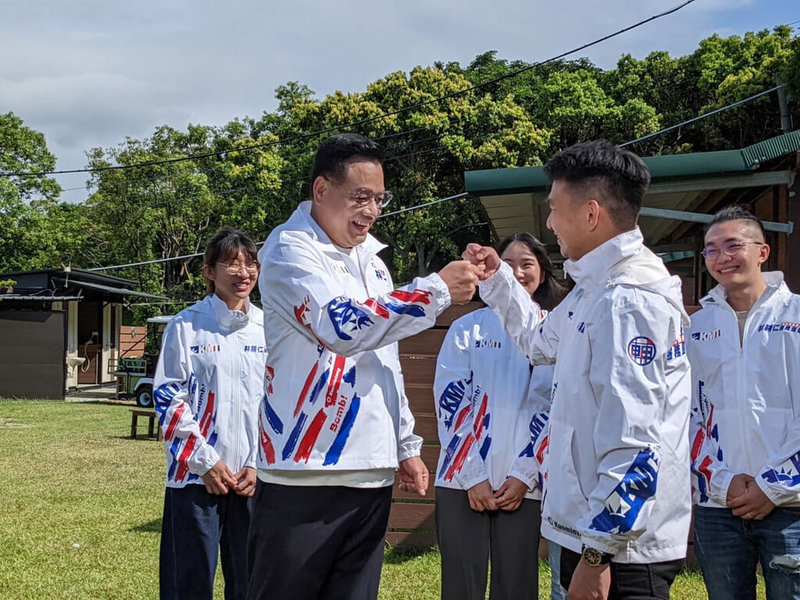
[430, 147]
[434, 124]
[734, 68]
[168, 210]
[35, 230]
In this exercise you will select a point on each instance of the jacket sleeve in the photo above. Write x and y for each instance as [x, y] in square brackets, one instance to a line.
[627, 374]
[294, 283]
[711, 477]
[175, 384]
[523, 320]
[459, 421]
[779, 479]
[409, 444]
[527, 466]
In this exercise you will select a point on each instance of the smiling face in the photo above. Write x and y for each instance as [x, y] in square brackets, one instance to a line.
[337, 213]
[524, 264]
[566, 219]
[743, 267]
[234, 278]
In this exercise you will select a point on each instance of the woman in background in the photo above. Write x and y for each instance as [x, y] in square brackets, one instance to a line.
[492, 409]
[208, 386]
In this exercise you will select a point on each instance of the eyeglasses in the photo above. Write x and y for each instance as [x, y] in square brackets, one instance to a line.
[363, 197]
[232, 268]
[730, 249]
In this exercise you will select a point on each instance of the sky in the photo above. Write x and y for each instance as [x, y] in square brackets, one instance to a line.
[89, 73]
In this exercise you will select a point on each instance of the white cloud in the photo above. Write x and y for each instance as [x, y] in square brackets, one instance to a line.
[89, 73]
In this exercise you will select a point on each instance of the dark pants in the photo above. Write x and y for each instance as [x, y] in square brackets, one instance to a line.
[196, 528]
[629, 581]
[311, 542]
[468, 540]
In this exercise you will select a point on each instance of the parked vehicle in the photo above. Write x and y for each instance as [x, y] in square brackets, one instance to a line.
[135, 374]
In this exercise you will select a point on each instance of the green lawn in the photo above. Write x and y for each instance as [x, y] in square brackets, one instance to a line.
[82, 509]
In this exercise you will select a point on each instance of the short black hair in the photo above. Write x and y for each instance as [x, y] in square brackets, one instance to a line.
[736, 212]
[552, 288]
[616, 177]
[334, 153]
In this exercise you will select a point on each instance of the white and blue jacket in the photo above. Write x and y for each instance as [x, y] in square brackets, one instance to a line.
[746, 396]
[618, 460]
[492, 408]
[335, 398]
[207, 388]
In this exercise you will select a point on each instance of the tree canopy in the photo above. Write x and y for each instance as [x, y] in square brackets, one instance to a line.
[435, 122]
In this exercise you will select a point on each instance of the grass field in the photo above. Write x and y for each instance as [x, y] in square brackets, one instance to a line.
[82, 511]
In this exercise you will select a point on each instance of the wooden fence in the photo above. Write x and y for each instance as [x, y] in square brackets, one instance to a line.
[411, 521]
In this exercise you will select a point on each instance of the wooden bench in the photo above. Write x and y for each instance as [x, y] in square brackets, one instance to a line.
[151, 422]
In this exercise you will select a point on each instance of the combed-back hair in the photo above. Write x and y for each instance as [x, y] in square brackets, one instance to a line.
[334, 153]
[226, 244]
[735, 212]
[552, 287]
[613, 176]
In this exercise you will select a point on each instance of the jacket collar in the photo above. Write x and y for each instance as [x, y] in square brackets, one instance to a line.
[775, 287]
[302, 220]
[231, 320]
[595, 269]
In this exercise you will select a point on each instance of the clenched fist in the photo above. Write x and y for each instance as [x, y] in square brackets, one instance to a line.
[484, 256]
[461, 278]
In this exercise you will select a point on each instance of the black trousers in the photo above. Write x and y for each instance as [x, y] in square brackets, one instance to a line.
[650, 581]
[309, 542]
[196, 528]
[469, 540]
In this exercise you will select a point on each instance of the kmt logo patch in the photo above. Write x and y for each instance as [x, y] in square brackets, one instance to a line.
[642, 350]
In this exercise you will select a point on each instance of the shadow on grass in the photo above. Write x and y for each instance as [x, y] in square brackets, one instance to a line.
[398, 556]
[153, 526]
[89, 402]
[140, 437]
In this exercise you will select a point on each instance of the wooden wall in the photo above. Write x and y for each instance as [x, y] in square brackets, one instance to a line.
[411, 521]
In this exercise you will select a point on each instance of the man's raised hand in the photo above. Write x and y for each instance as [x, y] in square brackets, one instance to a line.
[482, 255]
[461, 278]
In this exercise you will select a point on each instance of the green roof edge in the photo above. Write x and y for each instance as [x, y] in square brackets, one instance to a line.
[517, 180]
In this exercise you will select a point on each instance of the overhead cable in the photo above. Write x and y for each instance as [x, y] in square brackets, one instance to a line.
[363, 121]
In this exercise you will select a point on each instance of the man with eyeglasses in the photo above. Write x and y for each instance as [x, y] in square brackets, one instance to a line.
[335, 423]
[744, 349]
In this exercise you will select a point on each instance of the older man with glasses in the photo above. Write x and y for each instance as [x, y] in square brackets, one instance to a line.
[335, 423]
[744, 349]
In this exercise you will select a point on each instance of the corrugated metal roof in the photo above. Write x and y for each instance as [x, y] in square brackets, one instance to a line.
[772, 148]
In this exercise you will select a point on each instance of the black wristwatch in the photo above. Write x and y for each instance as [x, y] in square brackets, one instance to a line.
[594, 558]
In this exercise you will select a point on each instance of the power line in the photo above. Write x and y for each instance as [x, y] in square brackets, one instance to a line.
[363, 121]
[227, 192]
[216, 190]
[404, 210]
[464, 194]
[703, 116]
[196, 254]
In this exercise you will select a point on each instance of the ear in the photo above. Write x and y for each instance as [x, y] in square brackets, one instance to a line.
[319, 187]
[592, 212]
[763, 254]
[208, 273]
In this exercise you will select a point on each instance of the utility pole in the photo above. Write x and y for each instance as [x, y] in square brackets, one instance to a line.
[786, 117]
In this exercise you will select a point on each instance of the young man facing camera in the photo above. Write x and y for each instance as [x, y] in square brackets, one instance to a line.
[744, 347]
[617, 494]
